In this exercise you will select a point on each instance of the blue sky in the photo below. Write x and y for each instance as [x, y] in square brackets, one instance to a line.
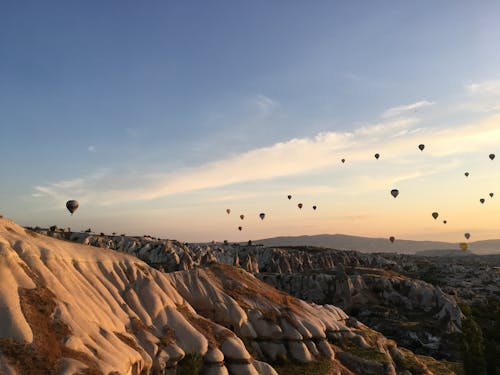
[158, 115]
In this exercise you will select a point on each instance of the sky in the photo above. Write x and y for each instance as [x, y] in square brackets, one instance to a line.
[158, 116]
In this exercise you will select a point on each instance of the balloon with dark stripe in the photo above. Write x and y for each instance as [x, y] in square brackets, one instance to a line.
[72, 206]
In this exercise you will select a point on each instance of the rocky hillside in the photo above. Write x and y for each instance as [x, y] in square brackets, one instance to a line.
[68, 308]
[474, 279]
[416, 314]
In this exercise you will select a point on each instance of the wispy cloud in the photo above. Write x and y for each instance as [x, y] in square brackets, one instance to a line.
[55, 189]
[491, 87]
[403, 109]
[240, 195]
[265, 106]
[404, 132]
[291, 158]
[68, 189]
[388, 127]
[393, 179]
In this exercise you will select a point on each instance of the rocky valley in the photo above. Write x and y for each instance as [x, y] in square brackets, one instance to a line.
[290, 308]
[70, 308]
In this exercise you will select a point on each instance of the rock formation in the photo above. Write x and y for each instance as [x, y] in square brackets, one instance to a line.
[69, 308]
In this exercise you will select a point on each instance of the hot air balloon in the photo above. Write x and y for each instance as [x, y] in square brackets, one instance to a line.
[394, 192]
[228, 210]
[289, 197]
[391, 238]
[342, 160]
[377, 156]
[262, 215]
[463, 246]
[482, 200]
[72, 206]
[466, 174]
[240, 228]
[314, 208]
[421, 147]
[492, 156]
[242, 217]
[467, 235]
[435, 215]
[299, 205]
[444, 221]
[491, 195]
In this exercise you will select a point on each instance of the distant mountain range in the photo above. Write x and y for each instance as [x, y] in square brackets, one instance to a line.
[371, 245]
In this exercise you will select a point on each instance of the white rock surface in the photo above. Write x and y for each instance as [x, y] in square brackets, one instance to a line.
[96, 294]
[263, 368]
[120, 315]
[233, 348]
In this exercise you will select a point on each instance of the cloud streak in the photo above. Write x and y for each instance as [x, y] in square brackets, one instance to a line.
[491, 87]
[403, 109]
[265, 106]
[290, 158]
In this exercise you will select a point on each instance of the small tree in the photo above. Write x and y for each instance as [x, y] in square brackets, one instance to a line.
[191, 364]
[472, 344]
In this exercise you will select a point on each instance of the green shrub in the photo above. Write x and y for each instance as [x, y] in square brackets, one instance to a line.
[472, 344]
[190, 364]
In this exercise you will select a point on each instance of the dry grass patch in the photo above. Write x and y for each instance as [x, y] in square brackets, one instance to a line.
[442, 367]
[129, 274]
[168, 336]
[322, 366]
[43, 356]
[373, 337]
[31, 233]
[411, 362]
[129, 341]
[9, 229]
[205, 327]
[244, 287]
[143, 268]
[137, 325]
[370, 354]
